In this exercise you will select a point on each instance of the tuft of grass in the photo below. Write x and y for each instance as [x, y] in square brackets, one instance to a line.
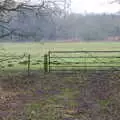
[43, 111]
[9, 61]
[35, 63]
[25, 62]
[39, 61]
[104, 103]
[10, 65]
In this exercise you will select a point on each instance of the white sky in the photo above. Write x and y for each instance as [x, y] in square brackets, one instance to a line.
[96, 6]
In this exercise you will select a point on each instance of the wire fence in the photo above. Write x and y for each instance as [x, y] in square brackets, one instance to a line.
[17, 62]
[12, 63]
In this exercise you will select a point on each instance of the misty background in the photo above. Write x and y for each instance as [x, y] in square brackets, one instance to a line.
[85, 21]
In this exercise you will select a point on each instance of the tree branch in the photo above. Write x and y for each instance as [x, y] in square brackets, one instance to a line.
[10, 7]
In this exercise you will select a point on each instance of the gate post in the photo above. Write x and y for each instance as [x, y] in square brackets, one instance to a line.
[45, 63]
[49, 60]
[29, 60]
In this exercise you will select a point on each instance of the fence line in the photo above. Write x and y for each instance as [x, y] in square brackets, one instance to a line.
[6, 58]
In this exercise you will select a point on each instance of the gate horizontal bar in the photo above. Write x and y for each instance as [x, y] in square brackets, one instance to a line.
[82, 51]
[89, 57]
[57, 62]
[78, 70]
[82, 66]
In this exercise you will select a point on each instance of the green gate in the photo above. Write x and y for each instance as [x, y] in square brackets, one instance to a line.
[82, 60]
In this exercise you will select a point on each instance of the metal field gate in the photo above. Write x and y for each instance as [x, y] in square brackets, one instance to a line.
[82, 60]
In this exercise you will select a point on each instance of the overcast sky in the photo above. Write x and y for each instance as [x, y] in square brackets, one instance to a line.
[96, 6]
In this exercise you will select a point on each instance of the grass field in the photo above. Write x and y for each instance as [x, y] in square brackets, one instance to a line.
[37, 51]
[87, 95]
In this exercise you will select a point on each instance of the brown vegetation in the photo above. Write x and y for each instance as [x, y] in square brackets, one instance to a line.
[90, 95]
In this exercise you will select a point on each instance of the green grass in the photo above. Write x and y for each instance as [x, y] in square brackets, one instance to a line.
[37, 51]
[62, 96]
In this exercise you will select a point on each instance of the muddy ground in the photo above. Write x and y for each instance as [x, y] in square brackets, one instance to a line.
[87, 95]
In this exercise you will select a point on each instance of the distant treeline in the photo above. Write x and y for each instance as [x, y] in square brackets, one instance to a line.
[30, 27]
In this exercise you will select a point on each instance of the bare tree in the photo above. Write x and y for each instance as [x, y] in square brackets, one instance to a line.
[9, 8]
[114, 1]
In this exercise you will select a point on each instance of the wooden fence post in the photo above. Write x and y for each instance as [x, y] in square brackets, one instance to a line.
[45, 63]
[49, 60]
[29, 57]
